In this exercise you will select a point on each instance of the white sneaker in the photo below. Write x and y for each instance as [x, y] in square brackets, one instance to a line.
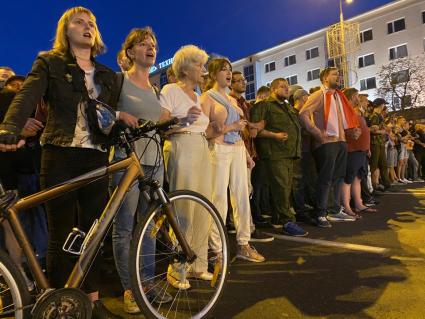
[406, 181]
[177, 276]
[207, 276]
[340, 217]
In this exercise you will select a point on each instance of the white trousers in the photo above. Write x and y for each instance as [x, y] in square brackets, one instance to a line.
[229, 171]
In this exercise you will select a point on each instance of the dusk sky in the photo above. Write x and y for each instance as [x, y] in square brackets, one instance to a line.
[231, 28]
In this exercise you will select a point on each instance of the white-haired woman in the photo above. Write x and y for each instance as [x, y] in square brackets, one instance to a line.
[186, 154]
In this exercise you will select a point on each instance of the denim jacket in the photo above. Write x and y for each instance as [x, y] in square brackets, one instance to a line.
[60, 82]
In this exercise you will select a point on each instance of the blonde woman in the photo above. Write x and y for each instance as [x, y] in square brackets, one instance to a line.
[68, 77]
[187, 158]
[229, 157]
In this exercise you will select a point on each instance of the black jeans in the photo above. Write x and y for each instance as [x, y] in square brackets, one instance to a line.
[304, 184]
[331, 164]
[75, 209]
[260, 201]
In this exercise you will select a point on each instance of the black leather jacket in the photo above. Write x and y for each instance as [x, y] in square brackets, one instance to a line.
[60, 81]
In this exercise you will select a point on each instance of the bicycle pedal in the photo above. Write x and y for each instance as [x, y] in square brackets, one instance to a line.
[74, 242]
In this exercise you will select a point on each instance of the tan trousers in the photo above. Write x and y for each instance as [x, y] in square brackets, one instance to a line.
[188, 166]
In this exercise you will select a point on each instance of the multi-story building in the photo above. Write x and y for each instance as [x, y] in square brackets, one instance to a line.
[389, 32]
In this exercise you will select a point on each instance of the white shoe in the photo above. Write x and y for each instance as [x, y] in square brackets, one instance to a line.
[207, 276]
[340, 217]
[177, 276]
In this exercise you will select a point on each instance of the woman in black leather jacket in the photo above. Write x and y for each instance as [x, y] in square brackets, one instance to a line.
[67, 77]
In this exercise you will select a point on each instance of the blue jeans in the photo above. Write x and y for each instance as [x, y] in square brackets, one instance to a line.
[124, 223]
[33, 220]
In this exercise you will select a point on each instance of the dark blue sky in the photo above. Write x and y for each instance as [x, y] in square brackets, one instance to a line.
[234, 28]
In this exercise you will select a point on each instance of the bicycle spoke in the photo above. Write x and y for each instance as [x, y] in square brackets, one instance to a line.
[168, 256]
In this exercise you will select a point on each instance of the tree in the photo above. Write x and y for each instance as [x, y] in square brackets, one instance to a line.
[402, 81]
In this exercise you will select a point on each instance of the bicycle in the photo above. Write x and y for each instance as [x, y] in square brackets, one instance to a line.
[163, 225]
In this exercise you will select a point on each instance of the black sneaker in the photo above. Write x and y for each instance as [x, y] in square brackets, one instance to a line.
[262, 224]
[276, 223]
[101, 312]
[322, 222]
[266, 215]
[257, 236]
[371, 202]
[305, 218]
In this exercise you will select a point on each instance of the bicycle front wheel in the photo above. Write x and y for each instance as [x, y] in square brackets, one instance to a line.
[165, 284]
[14, 295]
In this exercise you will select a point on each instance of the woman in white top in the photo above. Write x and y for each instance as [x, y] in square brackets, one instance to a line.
[229, 157]
[186, 154]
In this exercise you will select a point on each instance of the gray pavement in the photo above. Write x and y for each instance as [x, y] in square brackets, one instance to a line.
[371, 268]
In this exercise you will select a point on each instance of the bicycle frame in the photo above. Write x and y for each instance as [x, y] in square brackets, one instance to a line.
[133, 170]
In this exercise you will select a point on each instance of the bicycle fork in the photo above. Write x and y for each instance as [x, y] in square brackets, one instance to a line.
[171, 218]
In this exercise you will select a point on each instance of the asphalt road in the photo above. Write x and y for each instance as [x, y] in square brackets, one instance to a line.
[371, 268]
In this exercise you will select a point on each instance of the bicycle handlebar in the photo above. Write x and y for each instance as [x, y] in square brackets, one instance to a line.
[148, 126]
[123, 136]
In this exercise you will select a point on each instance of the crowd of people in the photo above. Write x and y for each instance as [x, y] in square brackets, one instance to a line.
[287, 158]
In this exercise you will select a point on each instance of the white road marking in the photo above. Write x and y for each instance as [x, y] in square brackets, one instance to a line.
[321, 242]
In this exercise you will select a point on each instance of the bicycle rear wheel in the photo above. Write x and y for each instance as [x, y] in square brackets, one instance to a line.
[14, 295]
[156, 256]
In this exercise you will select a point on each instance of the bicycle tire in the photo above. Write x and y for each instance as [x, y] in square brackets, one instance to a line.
[13, 290]
[203, 294]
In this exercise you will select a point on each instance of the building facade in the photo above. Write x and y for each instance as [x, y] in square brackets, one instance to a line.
[389, 32]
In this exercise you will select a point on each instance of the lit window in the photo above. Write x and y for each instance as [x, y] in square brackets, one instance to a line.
[248, 72]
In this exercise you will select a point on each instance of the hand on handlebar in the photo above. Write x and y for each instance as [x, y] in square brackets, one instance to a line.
[9, 142]
[129, 119]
